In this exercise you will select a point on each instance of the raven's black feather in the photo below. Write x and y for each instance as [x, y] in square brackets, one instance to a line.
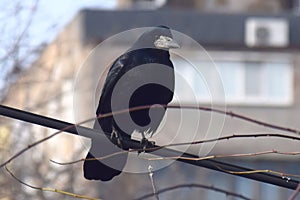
[143, 52]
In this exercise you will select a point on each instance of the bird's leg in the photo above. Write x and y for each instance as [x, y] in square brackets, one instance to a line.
[145, 142]
[116, 138]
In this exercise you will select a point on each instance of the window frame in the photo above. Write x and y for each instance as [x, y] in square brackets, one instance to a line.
[243, 58]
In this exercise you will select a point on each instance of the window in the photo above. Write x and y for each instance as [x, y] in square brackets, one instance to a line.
[257, 81]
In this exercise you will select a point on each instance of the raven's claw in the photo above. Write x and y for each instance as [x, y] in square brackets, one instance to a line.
[147, 145]
[117, 139]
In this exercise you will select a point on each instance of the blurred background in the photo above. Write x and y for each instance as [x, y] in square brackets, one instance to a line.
[255, 46]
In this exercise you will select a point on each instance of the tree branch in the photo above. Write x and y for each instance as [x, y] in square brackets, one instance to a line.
[219, 156]
[133, 144]
[195, 185]
[48, 189]
[296, 192]
[235, 115]
[231, 137]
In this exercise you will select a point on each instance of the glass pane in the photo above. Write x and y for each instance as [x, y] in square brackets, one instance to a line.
[203, 75]
[278, 80]
[231, 77]
[190, 81]
[253, 78]
[242, 81]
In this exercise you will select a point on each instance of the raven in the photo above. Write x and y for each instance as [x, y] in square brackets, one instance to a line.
[151, 53]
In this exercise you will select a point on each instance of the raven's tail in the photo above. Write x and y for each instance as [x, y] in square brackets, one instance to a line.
[108, 167]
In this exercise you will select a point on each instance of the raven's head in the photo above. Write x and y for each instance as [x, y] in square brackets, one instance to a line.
[163, 38]
[159, 37]
[165, 42]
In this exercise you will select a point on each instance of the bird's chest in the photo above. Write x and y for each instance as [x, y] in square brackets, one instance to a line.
[144, 79]
[148, 60]
[147, 71]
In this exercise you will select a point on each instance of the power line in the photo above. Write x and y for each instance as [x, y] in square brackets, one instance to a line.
[134, 144]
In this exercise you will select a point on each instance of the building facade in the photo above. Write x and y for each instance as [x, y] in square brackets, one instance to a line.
[245, 63]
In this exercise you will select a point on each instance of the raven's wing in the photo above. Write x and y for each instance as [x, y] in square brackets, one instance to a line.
[94, 169]
[104, 105]
[112, 78]
[105, 169]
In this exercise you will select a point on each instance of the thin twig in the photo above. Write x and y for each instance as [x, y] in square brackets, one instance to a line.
[6, 111]
[283, 175]
[195, 185]
[295, 193]
[239, 116]
[19, 153]
[29, 147]
[18, 40]
[226, 155]
[231, 137]
[98, 158]
[208, 109]
[179, 157]
[150, 168]
[49, 189]
[168, 106]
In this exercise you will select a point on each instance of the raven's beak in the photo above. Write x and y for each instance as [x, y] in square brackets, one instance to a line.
[172, 44]
[164, 42]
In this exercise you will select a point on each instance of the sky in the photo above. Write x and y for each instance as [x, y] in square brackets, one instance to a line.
[49, 17]
[45, 20]
[57, 13]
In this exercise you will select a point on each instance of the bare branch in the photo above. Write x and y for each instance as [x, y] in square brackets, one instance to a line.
[133, 144]
[150, 170]
[223, 156]
[195, 185]
[63, 129]
[29, 147]
[90, 159]
[242, 117]
[48, 189]
[179, 157]
[66, 128]
[283, 175]
[208, 109]
[234, 136]
[296, 192]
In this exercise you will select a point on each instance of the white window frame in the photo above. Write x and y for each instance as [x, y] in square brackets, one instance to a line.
[243, 57]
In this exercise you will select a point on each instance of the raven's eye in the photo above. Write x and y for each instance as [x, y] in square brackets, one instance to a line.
[168, 38]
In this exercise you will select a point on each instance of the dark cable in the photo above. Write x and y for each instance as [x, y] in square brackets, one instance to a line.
[134, 144]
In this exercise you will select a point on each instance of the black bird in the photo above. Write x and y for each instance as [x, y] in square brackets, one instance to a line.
[143, 75]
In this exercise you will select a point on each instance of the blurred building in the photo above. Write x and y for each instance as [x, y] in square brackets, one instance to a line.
[45, 88]
[228, 6]
[256, 59]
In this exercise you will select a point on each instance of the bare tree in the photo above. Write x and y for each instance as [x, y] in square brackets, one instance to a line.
[32, 175]
[16, 49]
